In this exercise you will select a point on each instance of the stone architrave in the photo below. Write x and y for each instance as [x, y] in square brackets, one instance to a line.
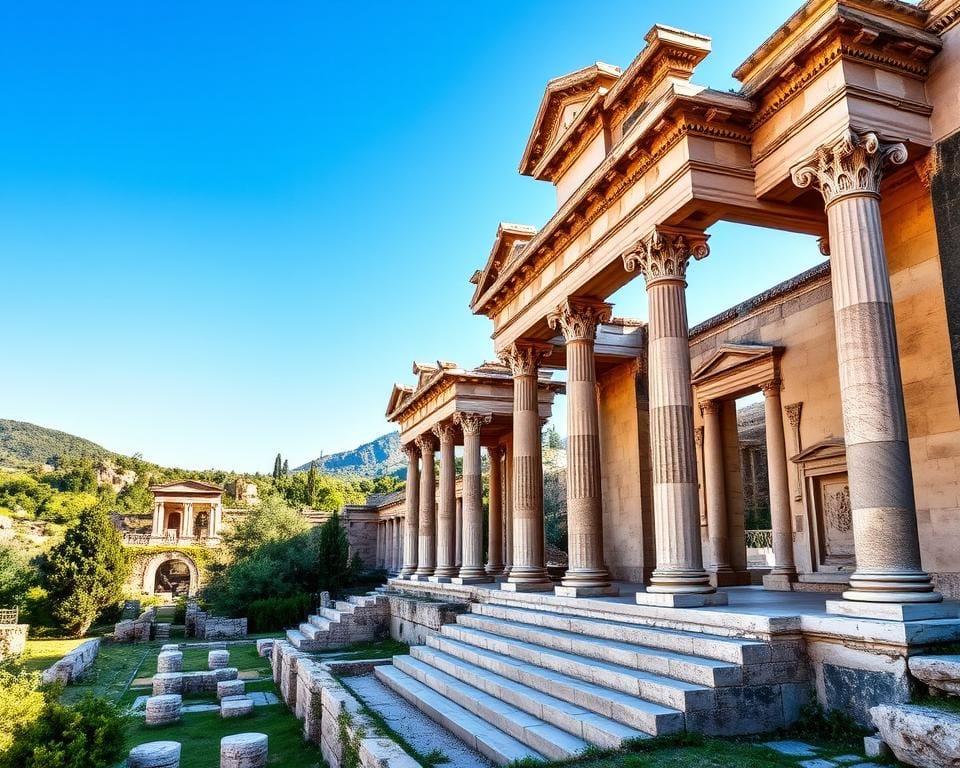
[848, 173]
[472, 570]
[586, 575]
[447, 506]
[427, 535]
[527, 571]
[495, 522]
[155, 754]
[411, 522]
[244, 750]
[679, 579]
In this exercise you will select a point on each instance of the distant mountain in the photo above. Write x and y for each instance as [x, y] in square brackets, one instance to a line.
[378, 457]
[26, 445]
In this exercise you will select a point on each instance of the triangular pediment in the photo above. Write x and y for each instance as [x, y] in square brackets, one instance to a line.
[187, 487]
[507, 245]
[730, 356]
[831, 448]
[397, 396]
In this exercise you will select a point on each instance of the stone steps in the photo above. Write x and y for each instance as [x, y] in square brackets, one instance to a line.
[342, 623]
[491, 742]
[722, 648]
[693, 669]
[319, 622]
[573, 717]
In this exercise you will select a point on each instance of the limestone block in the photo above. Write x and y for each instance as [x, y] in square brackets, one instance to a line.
[940, 672]
[167, 682]
[163, 709]
[170, 661]
[230, 688]
[265, 646]
[198, 682]
[235, 706]
[243, 750]
[155, 754]
[874, 746]
[169, 647]
[224, 673]
[920, 736]
[218, 659]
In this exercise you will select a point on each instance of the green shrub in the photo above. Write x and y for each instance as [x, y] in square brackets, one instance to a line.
[21, 702]
[275, 613]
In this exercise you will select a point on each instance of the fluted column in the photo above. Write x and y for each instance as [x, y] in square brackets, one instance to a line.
[395, 536]
[458, 535]
[528, 571]
[447, 508]
[577, 320]
[186, 523]
[412, 520]
[379, 557]
[158, 519]
[472, 570]
[427, 532]
[679, 579]
[784, 571]
[848, 174]
[508, 507]
[495, 514]
[715, 487]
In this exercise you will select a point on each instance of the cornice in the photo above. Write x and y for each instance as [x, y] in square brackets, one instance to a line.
[944, 14]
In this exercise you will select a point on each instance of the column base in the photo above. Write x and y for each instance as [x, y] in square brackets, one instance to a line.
[494, 570]
[681, 599]
[439, 579]
[779, 582]
[610, 590]
[471, 580]
[858, 609]
[420, 576]
[527, 586]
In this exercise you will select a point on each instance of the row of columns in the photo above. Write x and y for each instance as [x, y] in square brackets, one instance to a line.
[390, 536]
[185, 531]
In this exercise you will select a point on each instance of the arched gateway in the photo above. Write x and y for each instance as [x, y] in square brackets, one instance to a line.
[171, 572]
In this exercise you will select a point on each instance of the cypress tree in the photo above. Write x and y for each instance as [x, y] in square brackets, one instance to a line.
[312, 485]
[276, 468]
[286, 467]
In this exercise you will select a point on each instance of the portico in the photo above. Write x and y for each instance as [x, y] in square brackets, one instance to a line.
[186, 511]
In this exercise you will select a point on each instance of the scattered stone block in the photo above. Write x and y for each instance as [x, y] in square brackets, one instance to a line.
[265, 646]
[155, 754]
[218, 659]
[73, 664]
[230, 688]
[170, 661]
[163, 709]
[792, 748]
[243, 750]
[939, 672]
[167, 682]
[170, 647]
[225, 673]
[236, 706]
[920, 736]
[874, 746]
[817, 763]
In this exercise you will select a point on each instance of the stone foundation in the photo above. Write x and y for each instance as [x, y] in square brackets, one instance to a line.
[412, 620]
[167, 682]
[228, 688]
[170, 661]
[203, 625]
[265, 646]
[218, 659]
[236, 706]
[155, 754]
[243, 750]
[74, 664]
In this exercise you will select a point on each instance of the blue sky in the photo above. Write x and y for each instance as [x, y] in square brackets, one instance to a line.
[227, 228]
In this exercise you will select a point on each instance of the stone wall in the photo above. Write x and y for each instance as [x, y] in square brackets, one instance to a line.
[220, 628]
[74, 664]
[362, 537]
[413, 620]
[13, 639]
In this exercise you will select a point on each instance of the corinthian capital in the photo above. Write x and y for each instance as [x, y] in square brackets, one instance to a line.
[445, 432]
[852, 165]
[470, 423]
[412, 451]
[524, 357]
[665, 252]
[425, 443]
[577, 318]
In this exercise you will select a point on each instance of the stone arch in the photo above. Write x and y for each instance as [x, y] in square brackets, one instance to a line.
[155, 561]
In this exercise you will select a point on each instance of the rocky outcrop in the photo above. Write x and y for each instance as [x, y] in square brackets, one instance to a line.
[920, 736]
[939, 672]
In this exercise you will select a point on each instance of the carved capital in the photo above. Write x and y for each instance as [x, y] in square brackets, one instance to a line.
[771, 388]
[665, 252]
[524, 357]
[470, 423]
[412, 450]
[425, 444]
[577, 319]
[793, 413]
[853, 165]
[709, 407]
[446, 433]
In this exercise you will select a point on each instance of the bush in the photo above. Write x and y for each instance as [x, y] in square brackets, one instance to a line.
[276, 613]
[16, 578]
[87, 735]
[21, 703]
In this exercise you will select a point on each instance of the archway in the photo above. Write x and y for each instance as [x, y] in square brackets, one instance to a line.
[173, 576]
[171, 568]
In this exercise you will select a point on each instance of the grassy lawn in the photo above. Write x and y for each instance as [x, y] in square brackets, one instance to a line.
[243, 657]
[41, 653]
[115, 667]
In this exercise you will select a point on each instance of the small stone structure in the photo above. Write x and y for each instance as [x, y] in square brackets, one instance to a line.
[155, 754]
[169, 647]
[220, 628]
[75, 663]
[236, 706]
[135, 630]
[265, 646]
[13, 639]
[228, 688]
[920, 736]
[942, 673]
[170, 661]
[163, 709]
[413, 620]
[167, 682]
[243, 750]
[218, 659]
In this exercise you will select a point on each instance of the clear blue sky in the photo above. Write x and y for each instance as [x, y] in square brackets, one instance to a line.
[227, 228]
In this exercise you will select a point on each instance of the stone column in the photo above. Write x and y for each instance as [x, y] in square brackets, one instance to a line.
[427, 535]
[527, 572]
[379, 559]
[495, 513]
[447, 509]
[397, 538]
[577, 320]
[458, 535]
[848, 174]
[679, 579]
[715, 488]
[472, 570]
[784, 571]
[186, 523]
[412, 519]
[158, 519]
[390, 541]
[508, 507]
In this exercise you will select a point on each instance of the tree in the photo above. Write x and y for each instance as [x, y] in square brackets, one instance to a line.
[16, 578]
[271, 520]
[286, 467]
[312, 485]
[335, 570]
[276, 468]
[85, 573]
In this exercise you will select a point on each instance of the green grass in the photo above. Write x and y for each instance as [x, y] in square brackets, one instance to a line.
[243, 657]
[200, 733]
[40, 653]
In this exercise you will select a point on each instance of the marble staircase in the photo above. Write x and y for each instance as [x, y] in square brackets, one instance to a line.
[340, 623]
[516, 682]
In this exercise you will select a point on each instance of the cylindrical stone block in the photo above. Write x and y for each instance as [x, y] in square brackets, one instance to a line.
[218, 659]
[236, 706]
[243, 750]
[170, 661]
[163, 709]
[167, 682]
[412, 520]
[265, 646]
[155, 754]
[426, 538]
[230, 688]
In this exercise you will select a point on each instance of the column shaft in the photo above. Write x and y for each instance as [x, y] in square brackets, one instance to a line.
[715, 486]
[472, 569]
[412, 519]
[495, 513]
[508, 507]
[779, 484]
[458, 534]
[447, 509]
[427, 536]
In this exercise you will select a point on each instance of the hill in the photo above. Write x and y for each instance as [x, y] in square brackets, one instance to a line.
[378, 457]
[27, 445]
